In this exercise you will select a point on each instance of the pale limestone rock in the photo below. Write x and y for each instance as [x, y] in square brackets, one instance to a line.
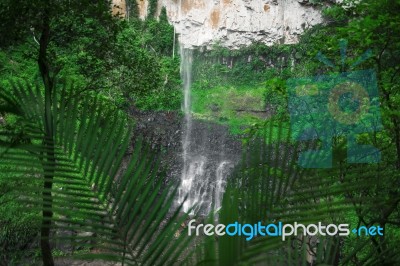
[119, 8]
[236, 23]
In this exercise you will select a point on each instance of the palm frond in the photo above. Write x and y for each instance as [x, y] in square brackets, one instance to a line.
[269, 187]
[119, 201]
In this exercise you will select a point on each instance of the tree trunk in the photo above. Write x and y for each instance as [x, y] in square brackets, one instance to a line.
[49, 158]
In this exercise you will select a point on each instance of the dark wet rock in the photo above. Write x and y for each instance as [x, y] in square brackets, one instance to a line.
[165, 130]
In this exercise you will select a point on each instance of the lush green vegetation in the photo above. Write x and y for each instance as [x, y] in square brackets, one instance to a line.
[124, 60]
[367, 25]
[121, 63]
[70, 71]
[234, 106]
[82, 190]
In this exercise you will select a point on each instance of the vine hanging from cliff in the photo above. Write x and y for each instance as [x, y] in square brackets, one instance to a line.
[133, 8]
[152, 9]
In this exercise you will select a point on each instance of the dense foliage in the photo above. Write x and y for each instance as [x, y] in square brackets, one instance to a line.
[370, 32]
[125, 60]
[45, 42]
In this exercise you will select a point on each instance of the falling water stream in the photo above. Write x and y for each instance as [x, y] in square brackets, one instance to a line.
[203, 179]
[204, 174]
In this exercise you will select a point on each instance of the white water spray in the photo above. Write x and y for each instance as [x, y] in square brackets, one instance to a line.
[192, 185]
[222, 172]
[203, 180]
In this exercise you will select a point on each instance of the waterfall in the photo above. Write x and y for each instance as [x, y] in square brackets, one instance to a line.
[194, 177]
[222, 172]
[203, 176]
[192, 169]
[205, 166]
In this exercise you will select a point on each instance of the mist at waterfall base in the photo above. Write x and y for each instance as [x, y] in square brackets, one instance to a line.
[205, 168]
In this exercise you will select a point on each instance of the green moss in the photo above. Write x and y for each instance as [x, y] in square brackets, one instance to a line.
[237, 107]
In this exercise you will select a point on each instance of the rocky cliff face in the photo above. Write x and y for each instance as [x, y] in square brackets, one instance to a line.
[236, 23]
[119, 8]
